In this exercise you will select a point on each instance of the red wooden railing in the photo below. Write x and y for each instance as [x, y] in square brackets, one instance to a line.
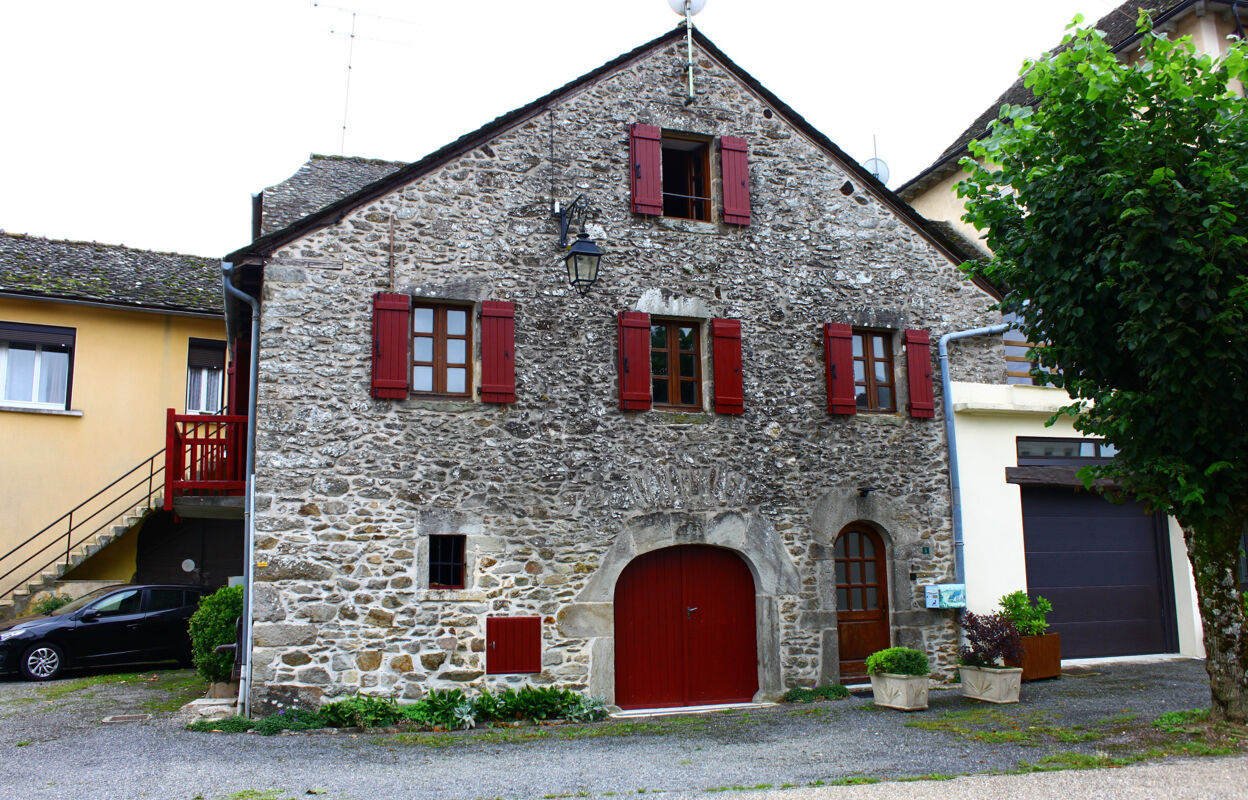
[204, 455]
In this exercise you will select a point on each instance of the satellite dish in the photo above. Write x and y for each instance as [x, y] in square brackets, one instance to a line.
[878, 168]
[694, 6]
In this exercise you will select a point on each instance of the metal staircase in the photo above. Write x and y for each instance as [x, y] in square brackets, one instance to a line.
[39, 562]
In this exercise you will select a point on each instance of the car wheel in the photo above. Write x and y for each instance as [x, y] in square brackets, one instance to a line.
[42, 662]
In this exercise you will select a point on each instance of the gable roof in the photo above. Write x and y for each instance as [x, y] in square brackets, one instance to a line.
[110, 274]
[1120, 31]
[320, 181]
[954, 248]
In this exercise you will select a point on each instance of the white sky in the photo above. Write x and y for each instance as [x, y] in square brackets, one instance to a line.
[150, 122]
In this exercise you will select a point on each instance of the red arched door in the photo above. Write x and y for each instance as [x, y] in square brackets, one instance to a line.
[684, 629]
[861, 599]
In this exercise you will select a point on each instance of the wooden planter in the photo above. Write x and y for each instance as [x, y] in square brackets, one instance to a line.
[1042, 657]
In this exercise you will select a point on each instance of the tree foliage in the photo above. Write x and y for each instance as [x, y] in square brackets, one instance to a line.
[1116, 208]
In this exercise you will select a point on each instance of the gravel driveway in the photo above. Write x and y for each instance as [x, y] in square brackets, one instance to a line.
[57, 747]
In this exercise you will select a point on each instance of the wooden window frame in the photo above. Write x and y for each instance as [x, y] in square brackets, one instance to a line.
[440, 338]
[693, 204]
[672, 327]
[448, 557]
[862, 338]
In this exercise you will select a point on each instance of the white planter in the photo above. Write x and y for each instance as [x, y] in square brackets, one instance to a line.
[991, 684]
[903, 692]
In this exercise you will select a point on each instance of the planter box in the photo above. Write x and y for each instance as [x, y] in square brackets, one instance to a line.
[903, 692]
[992, 685]
[1042, 657]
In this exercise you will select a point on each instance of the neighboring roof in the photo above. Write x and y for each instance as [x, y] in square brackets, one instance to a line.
[1119, 26]
[319, 182]
[335, 211]
[109, 274]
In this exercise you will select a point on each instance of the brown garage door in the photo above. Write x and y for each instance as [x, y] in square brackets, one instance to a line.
[1105, 567]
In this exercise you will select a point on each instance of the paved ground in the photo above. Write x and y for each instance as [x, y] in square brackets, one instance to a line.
[55, 746]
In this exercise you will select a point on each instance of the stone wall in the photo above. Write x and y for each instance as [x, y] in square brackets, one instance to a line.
[556, 492]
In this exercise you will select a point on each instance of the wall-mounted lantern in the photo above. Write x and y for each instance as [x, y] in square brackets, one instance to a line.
[583, 256]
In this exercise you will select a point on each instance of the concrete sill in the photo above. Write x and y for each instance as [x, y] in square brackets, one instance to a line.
[54, 412]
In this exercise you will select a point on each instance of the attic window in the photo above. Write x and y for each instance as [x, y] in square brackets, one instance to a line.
[686, 177]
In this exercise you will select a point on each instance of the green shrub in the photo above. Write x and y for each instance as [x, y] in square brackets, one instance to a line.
[898, 661]
[50, 604]
[441, 708]
[800, 694]
[234, 724]
[213, 624]
[1027, 615]
[361, 711]
[290, 719]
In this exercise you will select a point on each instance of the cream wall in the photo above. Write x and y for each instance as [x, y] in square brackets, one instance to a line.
[987, 421]
[940, 201]
[129, 366]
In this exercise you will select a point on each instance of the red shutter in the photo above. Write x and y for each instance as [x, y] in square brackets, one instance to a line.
[726, 348]
[498, 363]
[634, 360]
[512, 645]
[838, 356]
[734, 167]
[645, 147]
[919, 373]
[391, 339]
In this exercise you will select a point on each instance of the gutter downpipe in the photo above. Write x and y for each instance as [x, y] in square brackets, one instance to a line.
[959, 565]
[227, 275]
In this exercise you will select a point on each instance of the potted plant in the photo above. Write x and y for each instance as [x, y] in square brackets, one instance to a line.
[1042, 651]
[990, 639]
[900, 678]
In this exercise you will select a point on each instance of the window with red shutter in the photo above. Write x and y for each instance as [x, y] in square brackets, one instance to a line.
[838, 359]
[391, 335]
[498, 366]
[513, 645]
[919, 373]
[634, 346]
[645, 158]
[726, 351]
[734, 169]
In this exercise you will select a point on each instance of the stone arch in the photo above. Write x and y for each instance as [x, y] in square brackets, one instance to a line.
[900, 529]
[749, 534]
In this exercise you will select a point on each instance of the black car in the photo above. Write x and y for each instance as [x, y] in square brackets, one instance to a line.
[125, 624]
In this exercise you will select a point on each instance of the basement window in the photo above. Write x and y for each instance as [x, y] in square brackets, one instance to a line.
[446, 562]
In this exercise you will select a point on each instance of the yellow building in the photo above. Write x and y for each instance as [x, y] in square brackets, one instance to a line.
[96, 342]
[1118, 577]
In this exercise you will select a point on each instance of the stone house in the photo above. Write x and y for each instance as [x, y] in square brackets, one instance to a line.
[717, 472]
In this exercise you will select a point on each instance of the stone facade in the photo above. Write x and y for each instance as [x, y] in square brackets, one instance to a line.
[557, 492]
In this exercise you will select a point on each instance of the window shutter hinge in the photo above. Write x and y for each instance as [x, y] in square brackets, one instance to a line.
[637, 170]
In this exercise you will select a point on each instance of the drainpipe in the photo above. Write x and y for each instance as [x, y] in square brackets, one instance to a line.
[959, 566]
[227, 273]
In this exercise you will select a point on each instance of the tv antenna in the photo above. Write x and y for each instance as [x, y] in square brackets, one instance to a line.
[875, 165]
[687, 8]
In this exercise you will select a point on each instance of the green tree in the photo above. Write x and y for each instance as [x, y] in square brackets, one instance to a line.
[1116, 208]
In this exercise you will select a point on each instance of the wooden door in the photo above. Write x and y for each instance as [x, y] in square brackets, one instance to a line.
[684, 629]
[861, 599]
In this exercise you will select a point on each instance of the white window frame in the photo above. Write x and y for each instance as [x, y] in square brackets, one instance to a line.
[204, 404]
[60, 405]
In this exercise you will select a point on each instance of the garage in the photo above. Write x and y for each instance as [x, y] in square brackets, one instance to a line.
[1105, 567]
[685, 629]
